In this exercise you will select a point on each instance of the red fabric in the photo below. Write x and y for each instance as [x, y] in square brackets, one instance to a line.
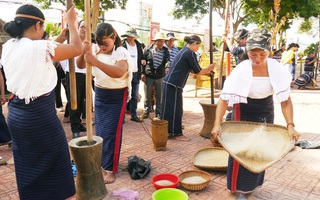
[235, 168]
[234, 177]
[118, 134]
[237, 112]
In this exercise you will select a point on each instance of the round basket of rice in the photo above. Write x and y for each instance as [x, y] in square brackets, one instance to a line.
[256, 146]
[194, 179]
[212, 158]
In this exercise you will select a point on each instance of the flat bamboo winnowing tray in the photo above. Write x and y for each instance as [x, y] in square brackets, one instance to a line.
[256, 146]
[212, 158]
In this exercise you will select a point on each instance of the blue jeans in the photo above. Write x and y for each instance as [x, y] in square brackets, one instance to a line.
[293, 72]
[134, 94]
[157, 83]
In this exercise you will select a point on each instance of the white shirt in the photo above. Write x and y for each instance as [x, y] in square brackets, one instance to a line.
[260, 88]
[65, 66]
[134, 55]
[102, 80]
[28, 67]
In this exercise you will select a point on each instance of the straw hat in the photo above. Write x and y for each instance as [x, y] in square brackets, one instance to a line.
[131, 32]
[160, 36]
[256, 146]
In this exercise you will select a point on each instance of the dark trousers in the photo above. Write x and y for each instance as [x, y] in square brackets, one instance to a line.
[172, 108]
[133, 103]
[75, 115]
[57, 90]
[157, 83]
[5, 135]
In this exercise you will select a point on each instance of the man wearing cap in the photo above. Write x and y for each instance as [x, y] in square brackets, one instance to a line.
[170, 44]
[134, 47]
[157, 58]
[239, 52]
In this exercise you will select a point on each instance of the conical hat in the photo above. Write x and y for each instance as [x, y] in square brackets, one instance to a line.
[256, 146]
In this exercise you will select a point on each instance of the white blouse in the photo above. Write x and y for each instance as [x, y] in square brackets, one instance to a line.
[28, 67]
[260, 88]
[102, 79]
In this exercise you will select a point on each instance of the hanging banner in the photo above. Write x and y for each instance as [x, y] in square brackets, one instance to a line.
[154, 29]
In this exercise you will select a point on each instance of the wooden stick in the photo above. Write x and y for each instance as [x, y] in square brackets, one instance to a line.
[72, 74]
[224, 45]
[211, 51]
[88, 76]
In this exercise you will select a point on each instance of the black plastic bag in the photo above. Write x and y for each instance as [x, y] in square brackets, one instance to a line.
[138, 168]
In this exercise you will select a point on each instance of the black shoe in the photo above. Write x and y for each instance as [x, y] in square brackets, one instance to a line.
[135, 119]
[145, 115]
[83, 129]
[75, 135]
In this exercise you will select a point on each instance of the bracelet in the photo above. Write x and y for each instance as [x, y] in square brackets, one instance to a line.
[290, 124]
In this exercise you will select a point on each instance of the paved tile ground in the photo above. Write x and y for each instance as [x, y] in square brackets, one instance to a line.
[296, 176]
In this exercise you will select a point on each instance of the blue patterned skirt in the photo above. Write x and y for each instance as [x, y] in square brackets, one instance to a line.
[40, 150]
[110, 106]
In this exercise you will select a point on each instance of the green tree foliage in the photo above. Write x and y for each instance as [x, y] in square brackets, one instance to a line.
[53, 29]
[104, 4]
[311, 48]
[96, 7]
[249, 11]
[180, 44]
[198, 8]
[264, 16]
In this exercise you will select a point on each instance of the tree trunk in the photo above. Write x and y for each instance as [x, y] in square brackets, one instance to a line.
[95, 14]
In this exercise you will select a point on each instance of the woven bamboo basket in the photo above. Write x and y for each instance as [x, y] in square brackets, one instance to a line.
[212, 158]
[194, 186]
[256, 146]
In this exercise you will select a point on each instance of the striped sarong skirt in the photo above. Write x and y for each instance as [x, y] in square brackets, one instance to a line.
[240, 179]
[40, 150]
[110, 106]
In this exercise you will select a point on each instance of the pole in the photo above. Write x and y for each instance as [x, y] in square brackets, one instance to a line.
[88, 77]
[72, 73]
[224, 44]
[210, 50]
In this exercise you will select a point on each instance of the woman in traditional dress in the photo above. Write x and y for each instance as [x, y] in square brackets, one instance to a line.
[174, 82]
[40, 148]
[250, 88]
[112, 69]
